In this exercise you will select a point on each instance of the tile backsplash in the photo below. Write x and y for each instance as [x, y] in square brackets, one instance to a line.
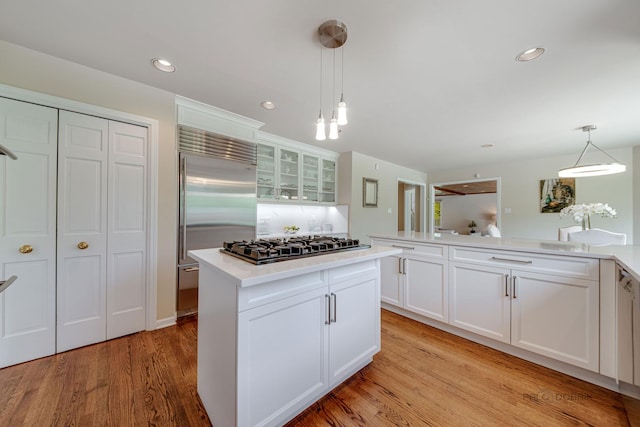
[311, 219]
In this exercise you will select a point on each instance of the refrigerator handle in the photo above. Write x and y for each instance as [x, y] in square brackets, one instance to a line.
[183, 207]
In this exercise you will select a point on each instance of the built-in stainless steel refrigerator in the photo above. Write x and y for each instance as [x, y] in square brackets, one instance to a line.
[218, 202]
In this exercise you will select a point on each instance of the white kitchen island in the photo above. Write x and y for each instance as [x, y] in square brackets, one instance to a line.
[275, 338]
[559, 304]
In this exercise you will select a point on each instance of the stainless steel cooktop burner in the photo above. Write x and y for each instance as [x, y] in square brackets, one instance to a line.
[273, 250]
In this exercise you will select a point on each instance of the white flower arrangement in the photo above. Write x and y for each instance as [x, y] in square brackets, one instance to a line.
[582, 213]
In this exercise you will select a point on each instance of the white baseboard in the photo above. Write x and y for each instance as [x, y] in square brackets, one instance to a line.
[167, 321]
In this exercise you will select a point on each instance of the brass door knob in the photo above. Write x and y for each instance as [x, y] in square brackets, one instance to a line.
[25, 249]
[83, 245]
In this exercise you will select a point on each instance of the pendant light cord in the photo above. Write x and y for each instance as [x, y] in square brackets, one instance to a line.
[320, 79]
[333, 94]
[342, 72]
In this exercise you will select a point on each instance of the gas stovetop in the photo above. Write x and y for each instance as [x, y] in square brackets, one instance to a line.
[273, 250]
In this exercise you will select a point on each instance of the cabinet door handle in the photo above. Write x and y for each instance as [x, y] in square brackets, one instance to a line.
[411, 248]
[495, 258]
[514, 287]
[506, 285]
[327, 319]
[404, 266]
[335, 308]
[400, 265]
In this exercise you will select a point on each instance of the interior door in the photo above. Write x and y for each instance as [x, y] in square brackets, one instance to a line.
[27, 221]
[127, 229]
[82, 224]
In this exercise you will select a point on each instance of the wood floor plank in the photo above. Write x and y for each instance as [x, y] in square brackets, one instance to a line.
[422, 377]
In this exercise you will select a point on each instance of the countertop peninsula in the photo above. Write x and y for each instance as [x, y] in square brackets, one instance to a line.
[628, 256]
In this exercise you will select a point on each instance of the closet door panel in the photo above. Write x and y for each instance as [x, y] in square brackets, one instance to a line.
[127, 229]
[82, 225]
[27, 221]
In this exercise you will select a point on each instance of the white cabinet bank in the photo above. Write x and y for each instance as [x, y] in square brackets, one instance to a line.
[553, 303]
[275, 338]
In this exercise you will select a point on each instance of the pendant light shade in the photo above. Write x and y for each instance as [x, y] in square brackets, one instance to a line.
[333, 127]
[320, 133]
[596, 169]
[342, 111]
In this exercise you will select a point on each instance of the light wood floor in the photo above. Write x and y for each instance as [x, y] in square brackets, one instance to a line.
[422, 377]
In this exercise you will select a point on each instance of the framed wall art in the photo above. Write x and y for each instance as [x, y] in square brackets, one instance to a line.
[556, 194]
[369, 193]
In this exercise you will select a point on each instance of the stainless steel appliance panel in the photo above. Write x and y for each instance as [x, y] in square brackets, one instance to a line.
[217, 203]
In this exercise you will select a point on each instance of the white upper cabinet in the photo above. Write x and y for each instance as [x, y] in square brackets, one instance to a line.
[286, 173]
[27, 231]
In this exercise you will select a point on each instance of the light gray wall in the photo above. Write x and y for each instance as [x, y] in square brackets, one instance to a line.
[383, 219]
[28, 69]
[521, 187]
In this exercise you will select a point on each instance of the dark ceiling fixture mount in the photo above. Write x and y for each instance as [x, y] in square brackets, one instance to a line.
[595, 169]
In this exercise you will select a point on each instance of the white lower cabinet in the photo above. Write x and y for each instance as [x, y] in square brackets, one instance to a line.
[392, 280]
[294, 350]
[479, 300]
[417, 280]
[549, 314]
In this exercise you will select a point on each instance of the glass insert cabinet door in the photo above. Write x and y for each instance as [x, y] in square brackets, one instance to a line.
[289, 174]
[310, 178]
[266, 172]
[328, 184]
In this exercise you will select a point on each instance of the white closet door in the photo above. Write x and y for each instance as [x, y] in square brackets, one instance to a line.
[127, 229]
[27, 217]
[82, 225]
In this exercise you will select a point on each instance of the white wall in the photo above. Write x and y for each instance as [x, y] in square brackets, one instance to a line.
[366, 220]
[521, 187]
[27, 69]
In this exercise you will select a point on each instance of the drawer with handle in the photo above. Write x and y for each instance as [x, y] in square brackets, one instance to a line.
[568, 266]
[436, 251]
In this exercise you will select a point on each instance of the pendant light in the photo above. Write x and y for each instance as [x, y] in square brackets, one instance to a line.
[596, 169]
[342, 106]
[320, 134]
[332, 35]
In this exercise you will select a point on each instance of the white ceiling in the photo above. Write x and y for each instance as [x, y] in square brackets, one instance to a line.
[427, 82]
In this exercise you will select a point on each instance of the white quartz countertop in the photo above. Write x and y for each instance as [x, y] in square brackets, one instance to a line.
[627, 256]
[245, 274]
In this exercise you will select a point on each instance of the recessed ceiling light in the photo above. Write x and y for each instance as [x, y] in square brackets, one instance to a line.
[530, 54]
[163, 65]
[268, 105]
[486, 145]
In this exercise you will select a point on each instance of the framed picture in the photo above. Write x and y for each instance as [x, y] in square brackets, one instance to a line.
[369, 193]
[556, 194]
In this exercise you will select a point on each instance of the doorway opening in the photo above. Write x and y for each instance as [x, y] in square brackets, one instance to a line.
[411, 206]
[454, 206]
